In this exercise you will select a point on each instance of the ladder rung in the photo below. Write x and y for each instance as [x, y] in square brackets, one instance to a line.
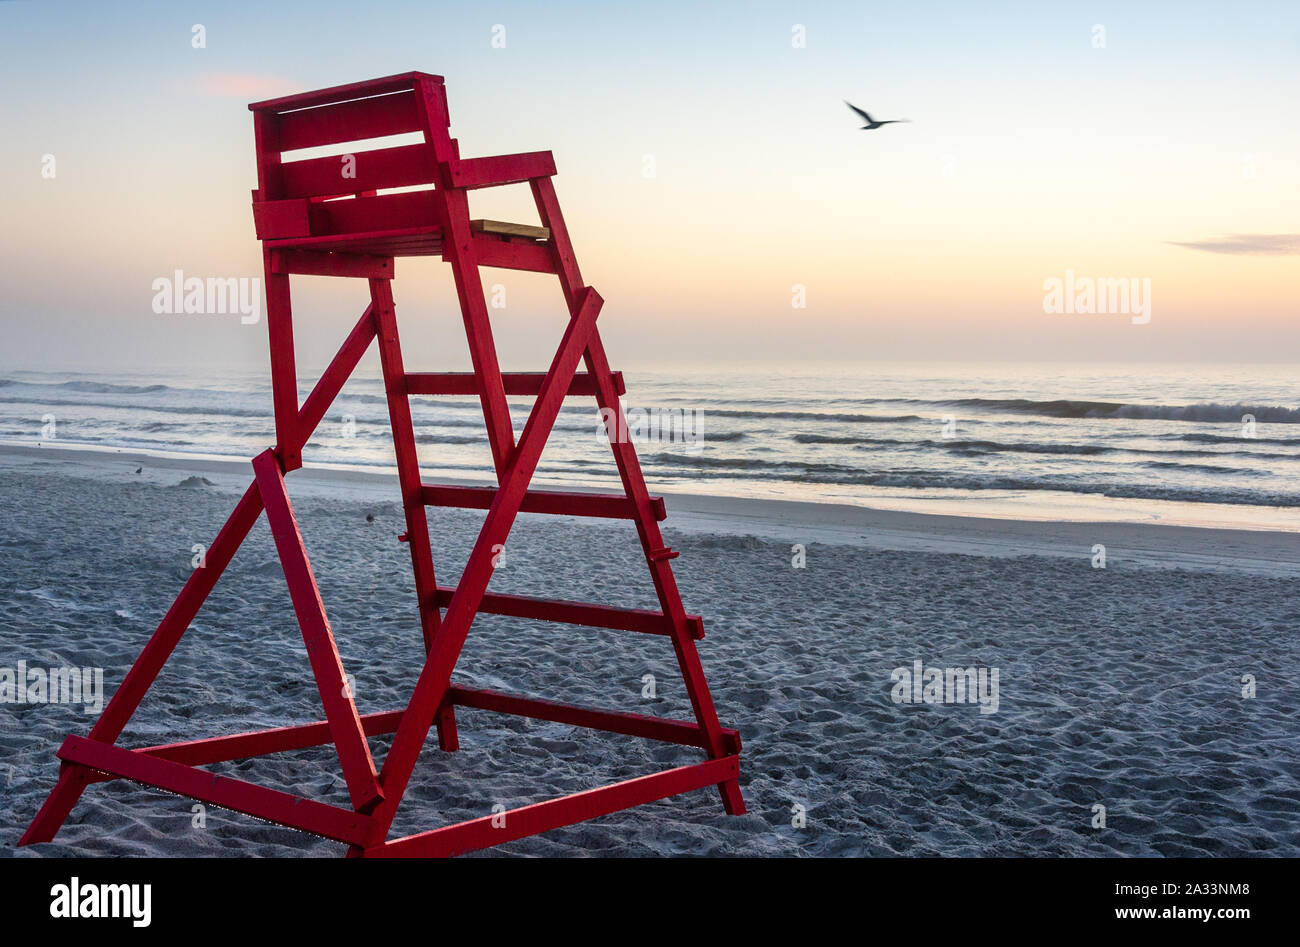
[564, 503]
[516, 383]
[578, 613]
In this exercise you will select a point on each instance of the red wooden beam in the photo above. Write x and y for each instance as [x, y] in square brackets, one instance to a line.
[564, 260]
[380, 117]
[402, 166]
[340, 710]
[471, 173]
[629, 468]
[240, 746]
[460, 249]
[58, 804]
[408, 461]
[424, 240]
[464, 605]
[236, 794]
[513, 254]
[335, 376]
[577, 613]
[516, 383]
[73, 780]
[359, 215]
[544, 816]
[563, 503]
[279, 220]
[308, 263]
[343, 93]
[284, 371]
[634, 725]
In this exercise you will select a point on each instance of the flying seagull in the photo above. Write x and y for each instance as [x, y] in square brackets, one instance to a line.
[871, 122]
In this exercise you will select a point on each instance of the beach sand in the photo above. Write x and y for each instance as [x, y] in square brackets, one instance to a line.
[1118, 686]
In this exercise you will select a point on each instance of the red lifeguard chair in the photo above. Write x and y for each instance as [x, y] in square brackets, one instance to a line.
[325, 216]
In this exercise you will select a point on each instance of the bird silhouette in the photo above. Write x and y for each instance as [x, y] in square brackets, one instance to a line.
[871, 122]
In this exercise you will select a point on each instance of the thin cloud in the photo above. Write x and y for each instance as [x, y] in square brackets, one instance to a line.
[1246, 244]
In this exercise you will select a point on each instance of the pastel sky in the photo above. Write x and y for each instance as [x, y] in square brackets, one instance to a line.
[1171, 153]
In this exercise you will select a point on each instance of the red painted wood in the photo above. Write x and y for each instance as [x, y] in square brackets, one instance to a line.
[405, 241]
[459, 251]
[145, 670]
[344, 93]
[634, 725]
[349, 121]
[263, 742]
[661, 574]
[266, 142]
[563, 503]
[279, 220]
[58, 804]
[515, 383]
[629, 468]
[471, 173]
[408, 461]
[402, 166]
[435, 677]
[354, 265]
[193, 594]
[544, 816]
[512, 254]
[431, 101]
[564, 261]
[359, 215]
[356, 237]
[445, 721]
[249, 798]
[340, 710]
[284, 371]
[577, 613]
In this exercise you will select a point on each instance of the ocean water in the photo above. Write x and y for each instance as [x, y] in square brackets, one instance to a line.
[1212, 445]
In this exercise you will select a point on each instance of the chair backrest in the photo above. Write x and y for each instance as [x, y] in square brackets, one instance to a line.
[300, 198]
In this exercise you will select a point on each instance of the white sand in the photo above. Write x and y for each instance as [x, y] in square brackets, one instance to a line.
[1117, 686]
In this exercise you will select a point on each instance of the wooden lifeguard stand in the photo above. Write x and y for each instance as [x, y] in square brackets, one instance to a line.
[324, 216]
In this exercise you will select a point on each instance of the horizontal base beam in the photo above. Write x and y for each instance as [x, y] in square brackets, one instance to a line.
[610, 721]
[563, 503]
[516, 383]
[577, 613]
[304, 736]
[170, 767]
[271, 805]
[544, 816]
[242, 746]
